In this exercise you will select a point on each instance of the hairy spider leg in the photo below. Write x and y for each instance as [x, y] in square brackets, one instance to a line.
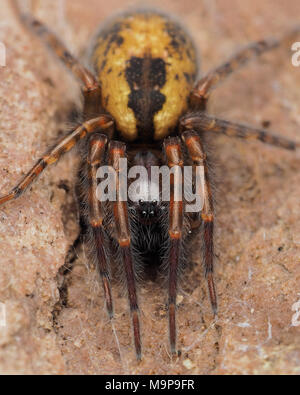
[206, 123]
[117, 151]
[172, 148]
[96, 213]
[197, 154]
[101, 123]
[212, 79]
[91, 87]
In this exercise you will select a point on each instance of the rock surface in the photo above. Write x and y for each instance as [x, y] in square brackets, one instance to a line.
[258, 213]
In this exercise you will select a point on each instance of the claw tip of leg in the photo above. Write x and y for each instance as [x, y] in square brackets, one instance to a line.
[110, 314]
[139, 355]
[173, 351]
[215, 311]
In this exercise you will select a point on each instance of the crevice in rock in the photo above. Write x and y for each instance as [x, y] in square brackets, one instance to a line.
[216, 348]
[64, 279]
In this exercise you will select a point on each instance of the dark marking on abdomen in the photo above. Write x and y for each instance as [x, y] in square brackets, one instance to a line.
[146, 76]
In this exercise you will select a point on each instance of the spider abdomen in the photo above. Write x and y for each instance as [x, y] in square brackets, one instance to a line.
[146, 64]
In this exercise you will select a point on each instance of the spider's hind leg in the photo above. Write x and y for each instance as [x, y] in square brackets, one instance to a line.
[91, 87]
[212, 79]
[206, 123]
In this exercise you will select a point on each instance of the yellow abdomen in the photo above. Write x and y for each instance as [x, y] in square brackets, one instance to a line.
[146, 64]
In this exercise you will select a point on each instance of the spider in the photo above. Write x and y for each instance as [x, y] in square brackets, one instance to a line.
[142, 101]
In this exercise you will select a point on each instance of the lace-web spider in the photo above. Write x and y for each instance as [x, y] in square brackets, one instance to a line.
[142, 101]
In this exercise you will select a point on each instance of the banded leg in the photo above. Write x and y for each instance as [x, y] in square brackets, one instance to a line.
[206, 123]
[210, 81]
[66, 144]
[96, 156]
[117, 151]
[198, 156]
[172, 149]
[91, 87]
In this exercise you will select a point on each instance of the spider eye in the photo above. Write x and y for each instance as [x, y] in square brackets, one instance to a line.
[141, 202]
[144, 213]
[152, 213]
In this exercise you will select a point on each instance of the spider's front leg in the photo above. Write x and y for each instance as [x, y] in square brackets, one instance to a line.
[197, 154]
[101, 123]
[101, 244]
[172, 148]
[117, 151]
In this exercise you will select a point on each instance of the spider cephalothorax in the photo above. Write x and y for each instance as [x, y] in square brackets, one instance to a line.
[142, 102]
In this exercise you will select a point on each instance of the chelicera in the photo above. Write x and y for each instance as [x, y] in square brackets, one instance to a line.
[142, 101]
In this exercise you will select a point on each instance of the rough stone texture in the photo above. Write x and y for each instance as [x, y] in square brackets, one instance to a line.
[258, 232]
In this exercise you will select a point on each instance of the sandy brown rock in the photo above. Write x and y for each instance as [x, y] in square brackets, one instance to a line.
[258, 213]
